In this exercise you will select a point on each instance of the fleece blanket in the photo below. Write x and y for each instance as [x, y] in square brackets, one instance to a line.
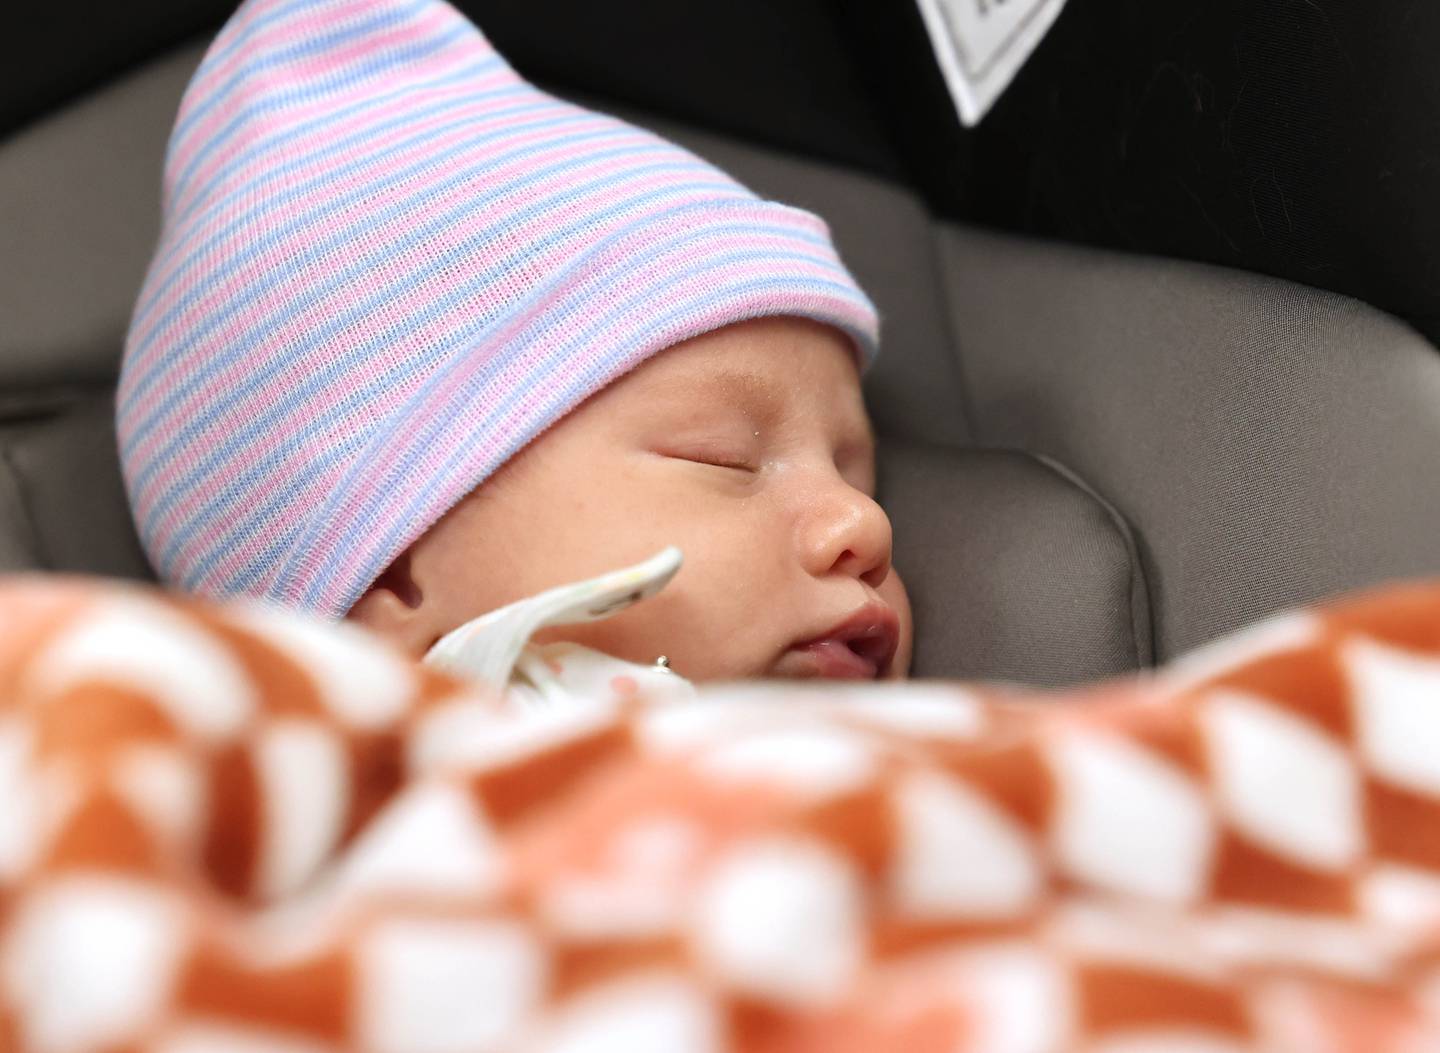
[229, 829]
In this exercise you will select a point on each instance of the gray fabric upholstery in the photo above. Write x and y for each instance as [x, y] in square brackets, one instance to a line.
[1032, 577]
[1271, 444]
[79, 213]
[17, 532]
[1267, 444]
[62, 504]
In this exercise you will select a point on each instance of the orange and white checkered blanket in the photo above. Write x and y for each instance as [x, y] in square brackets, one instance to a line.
[227, 829]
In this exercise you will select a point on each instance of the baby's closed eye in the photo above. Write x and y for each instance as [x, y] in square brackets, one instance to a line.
[718, 456]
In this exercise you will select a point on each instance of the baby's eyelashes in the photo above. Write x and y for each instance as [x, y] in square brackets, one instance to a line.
[739, 464]
[738, 452]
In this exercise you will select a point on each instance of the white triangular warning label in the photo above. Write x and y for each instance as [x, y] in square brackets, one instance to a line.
[981, 45]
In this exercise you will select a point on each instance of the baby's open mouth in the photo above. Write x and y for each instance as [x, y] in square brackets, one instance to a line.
[861, 647]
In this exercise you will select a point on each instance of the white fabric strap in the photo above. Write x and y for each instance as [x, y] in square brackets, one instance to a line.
[486, 648]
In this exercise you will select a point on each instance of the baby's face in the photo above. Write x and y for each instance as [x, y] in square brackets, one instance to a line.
[748, 448]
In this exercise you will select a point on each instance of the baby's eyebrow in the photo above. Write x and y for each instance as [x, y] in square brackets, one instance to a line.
[746, 387]
[751, 390]
[758, 394]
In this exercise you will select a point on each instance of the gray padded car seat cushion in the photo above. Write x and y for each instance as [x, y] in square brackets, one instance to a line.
[1029, 574]
[62, 504]
[1270, 444]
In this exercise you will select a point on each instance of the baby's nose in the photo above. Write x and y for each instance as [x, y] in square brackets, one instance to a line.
[851, 535]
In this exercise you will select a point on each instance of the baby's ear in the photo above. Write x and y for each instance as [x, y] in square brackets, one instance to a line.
[394, 607]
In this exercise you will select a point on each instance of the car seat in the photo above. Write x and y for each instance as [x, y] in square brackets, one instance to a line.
[1153, 358]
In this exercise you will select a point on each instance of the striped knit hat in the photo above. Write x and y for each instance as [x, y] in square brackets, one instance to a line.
[387, 263]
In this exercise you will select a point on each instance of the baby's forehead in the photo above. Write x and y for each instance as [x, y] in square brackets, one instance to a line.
[762, 360]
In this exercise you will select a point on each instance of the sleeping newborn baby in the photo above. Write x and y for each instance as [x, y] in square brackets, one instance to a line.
[427, 348]
[748, 448]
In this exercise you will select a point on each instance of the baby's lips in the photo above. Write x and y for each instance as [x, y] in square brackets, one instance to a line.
[861, 645]
[833, 659]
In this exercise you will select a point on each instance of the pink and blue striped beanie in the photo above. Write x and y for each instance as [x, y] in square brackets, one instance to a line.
[386, 264]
